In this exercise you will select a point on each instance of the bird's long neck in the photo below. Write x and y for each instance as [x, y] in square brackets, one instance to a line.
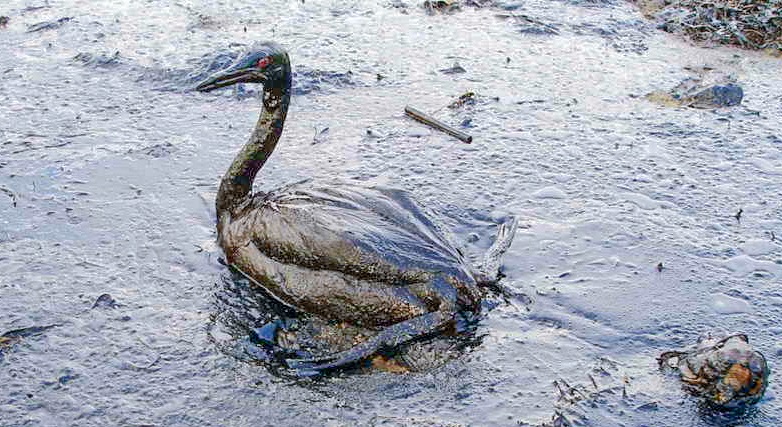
[237, 182]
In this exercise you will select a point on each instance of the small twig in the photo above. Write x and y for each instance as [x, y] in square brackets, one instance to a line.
[559, 388]
[85, 263]
[437, 124]
[26, 332]
[41, 147]
[594, 383]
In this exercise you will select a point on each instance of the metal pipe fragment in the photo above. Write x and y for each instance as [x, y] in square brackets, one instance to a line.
[437, 124]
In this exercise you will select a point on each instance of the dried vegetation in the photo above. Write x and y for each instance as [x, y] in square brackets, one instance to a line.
[750, 24]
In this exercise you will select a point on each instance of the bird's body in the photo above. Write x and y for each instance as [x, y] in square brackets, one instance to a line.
[360, 255]
[366, 256]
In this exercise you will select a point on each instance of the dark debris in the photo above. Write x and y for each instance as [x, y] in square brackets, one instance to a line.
[455, 69]
[14, 336]
[105, 301]
[49, 25]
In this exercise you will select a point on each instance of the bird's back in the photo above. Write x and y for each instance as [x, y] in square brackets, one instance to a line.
[371, 233]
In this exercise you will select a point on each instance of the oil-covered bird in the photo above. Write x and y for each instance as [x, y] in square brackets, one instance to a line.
[366, 256]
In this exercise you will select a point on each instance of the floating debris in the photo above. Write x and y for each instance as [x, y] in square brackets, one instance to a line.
[374, 133]
[529, 25]
[67, 376]
[456, 69]
[105, 301]
[97, 59]
[443, 6]
[605, 382]
[48, 25]
[704, 91]
[717, 96]
[4, 21]
[12, 337]
[725, 371]
[432, 6]
[437, 124]
[626, 36]
[471, 99]
[157, 151]
[34, 8]
[467, 98]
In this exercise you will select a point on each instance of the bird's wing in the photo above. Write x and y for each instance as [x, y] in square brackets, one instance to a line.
[369, 232]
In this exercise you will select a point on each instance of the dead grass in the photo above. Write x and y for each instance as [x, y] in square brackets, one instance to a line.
[750, 24]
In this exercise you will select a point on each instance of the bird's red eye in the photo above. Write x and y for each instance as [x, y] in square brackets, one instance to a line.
[264, 62]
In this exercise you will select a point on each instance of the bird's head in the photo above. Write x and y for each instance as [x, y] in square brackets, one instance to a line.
[265, 63]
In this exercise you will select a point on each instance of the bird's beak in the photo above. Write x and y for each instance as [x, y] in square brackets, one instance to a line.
[231, 76]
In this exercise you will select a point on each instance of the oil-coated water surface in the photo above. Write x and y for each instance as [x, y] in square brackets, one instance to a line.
[109, 165]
